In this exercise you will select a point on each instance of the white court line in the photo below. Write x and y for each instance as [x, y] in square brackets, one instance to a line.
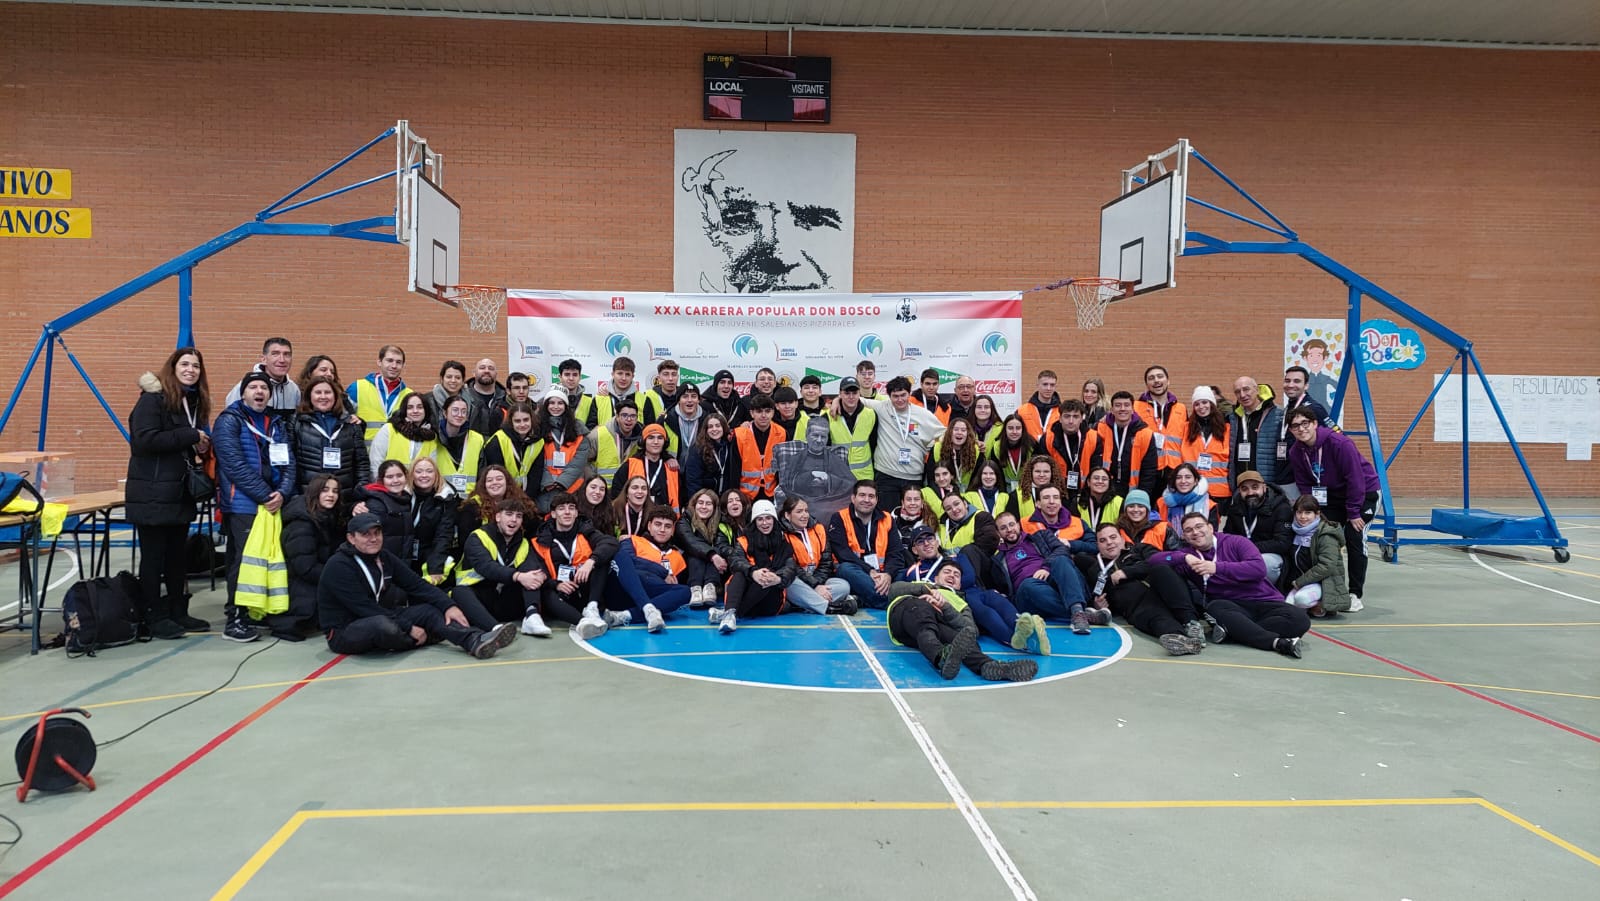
[1473, 554]
[980, 827]
[71, 573]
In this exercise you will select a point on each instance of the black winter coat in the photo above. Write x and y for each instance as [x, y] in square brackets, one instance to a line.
[1272, 522]
[354, 466]
[344, 594]
[307, 546]
[160, 441]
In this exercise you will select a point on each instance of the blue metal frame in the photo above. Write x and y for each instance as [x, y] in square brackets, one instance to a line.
[182, 266]
[1359, 287]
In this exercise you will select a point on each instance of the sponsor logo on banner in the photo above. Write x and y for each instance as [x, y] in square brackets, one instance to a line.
[910, 351]
[685, 374]
[1385, 345]
[906, 311]
[788, 353]
[995, 386]
[787, 379]
[946, 376]
[619, 303]
[534, 382]
[870, 345]
[823, 377]
[530, 351]
[658, 351]
[745, 345]
[617, 344]
[995, 344]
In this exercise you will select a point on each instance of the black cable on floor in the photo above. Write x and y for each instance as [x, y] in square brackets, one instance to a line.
[196, 699]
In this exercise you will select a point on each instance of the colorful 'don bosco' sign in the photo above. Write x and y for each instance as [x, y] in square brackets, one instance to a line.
[1385, 345]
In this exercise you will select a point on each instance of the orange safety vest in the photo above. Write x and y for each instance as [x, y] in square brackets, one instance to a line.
[756, 474]
[1169, 447]
[1155, 536]
[1108, 447]
[635, 467]
[880, 543]
[1072, 530]
[671, 557]
[1039, 429]
[1086, 453]
[568, 450]
[580, 553]
[808, 557]
[1216, 475]
[941, 412]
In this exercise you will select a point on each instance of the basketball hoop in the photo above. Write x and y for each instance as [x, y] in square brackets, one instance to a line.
[1092, 296]
[482, 303]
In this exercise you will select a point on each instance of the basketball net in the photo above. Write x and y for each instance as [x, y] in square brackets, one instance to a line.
[1092, 296]
[482, 303]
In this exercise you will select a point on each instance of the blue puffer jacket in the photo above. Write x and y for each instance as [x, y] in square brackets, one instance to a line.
[1264, 438]
[245, 476]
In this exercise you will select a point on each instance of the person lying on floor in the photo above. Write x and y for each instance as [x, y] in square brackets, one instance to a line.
[1153, 599]
[368, 599]
[934, 619]
[990, 610]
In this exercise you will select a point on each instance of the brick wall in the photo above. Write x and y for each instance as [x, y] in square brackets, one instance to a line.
[1457, 179]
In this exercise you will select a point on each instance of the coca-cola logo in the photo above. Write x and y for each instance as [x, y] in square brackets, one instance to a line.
[995, 386]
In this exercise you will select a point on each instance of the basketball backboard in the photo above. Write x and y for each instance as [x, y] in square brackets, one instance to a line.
[1142, 231]
[427, 220]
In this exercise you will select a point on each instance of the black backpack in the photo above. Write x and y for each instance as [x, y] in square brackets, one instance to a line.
[102, 613]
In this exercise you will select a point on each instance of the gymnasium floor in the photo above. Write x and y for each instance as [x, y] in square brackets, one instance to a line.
[1442, 744]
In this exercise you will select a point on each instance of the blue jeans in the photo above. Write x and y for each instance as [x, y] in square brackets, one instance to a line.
[1053, 598]
[627, 591]
[806, 598]
[860, 582]
[993, 613]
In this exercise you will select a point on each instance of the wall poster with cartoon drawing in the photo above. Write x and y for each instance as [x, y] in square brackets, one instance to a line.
[1319, 345]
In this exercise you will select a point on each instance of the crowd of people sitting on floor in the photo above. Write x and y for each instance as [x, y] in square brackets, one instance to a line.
[474, 511]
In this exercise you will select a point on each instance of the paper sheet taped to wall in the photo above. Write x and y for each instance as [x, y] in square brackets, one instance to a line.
[1541, 409]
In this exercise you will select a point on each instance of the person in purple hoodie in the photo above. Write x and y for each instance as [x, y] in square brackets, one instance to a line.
[1044, 579]
[1239, 601]
[1328, 467]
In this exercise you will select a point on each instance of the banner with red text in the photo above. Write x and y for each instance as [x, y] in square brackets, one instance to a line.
[977, 334]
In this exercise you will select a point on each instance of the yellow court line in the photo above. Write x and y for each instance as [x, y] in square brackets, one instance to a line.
[274, 844]
[1556, 569]
[1322, 626]
[1387, 678]
[479, 664]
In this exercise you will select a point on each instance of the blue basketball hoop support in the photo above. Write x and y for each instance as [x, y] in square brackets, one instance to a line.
[1464, 526]
[381, 229]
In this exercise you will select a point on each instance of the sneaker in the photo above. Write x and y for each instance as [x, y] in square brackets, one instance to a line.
[848, 605]
[1080, 622]
[653, 621]
[590, 627]
[615, 619]
[1289, 647]
[166, 628]
[714, 615]
[1176, 645]
[1219, 633]
[533, 624]
[1009, 671]
[965, 642]
[239, 630]
[1039, 643]
[729, 623]
[1195, 630]
[1355, 604]
[492, 641]
[192, 623]
[697, 597]
[1022, 635]
[1099, 616]
[591, 610]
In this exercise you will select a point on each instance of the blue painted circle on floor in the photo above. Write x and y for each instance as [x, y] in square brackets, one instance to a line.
[818, 653]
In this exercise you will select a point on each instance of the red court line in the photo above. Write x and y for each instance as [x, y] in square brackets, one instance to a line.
[1463, 689]
[33, 869]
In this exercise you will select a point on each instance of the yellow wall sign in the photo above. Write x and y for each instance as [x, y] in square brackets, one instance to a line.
[44, 222]
[35, 184]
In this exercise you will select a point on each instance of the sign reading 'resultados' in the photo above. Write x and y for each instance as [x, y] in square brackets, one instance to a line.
[27, 185]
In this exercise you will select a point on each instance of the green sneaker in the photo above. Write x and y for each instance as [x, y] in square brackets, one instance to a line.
[1040, 643]
[1022, 638]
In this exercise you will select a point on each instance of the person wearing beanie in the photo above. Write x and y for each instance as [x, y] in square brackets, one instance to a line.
[723, 398]
[763, 565]
[255, 474]
[1207, 443]
[651, 462]
[1138, 528]
[683, 420]
[933, 617]
[563, 437]
[369, 600]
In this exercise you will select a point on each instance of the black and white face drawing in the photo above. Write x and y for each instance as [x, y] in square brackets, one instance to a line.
[766, 243]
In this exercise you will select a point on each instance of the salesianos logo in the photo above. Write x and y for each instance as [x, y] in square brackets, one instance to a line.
[870, 345]
[745, 345]
[618, 344]
[995, 343]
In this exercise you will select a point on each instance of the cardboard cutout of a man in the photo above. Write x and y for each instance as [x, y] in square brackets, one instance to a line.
[816, 473]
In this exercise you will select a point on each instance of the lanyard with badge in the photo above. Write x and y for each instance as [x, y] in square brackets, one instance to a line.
[332, 457]
[277, 451]
[870, 559]
[1072, 459]
[375, 584]
[558, 454]
[1283, 431]
[1119, 440]
[1319, 490]
[565, 571]
[1105, 572]
[908, 431]
[1202, 460]
[1159, 429]
[1093, 519]
[1243, 452]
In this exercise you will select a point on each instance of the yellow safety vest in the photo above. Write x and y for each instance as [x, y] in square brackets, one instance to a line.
[482, 536]
[860, 455]
[370, 407]
[465, 473]
[520, 469]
